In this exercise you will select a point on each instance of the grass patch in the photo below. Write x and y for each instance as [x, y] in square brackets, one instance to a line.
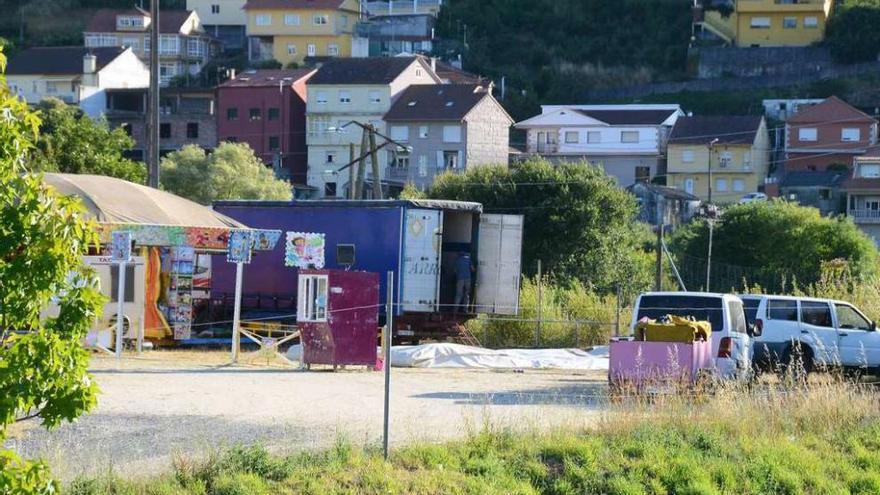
[784, 439]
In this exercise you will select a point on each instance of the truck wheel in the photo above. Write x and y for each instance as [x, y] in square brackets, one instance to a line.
[798, 356]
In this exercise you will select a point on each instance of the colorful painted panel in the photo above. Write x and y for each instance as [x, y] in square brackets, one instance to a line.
[304, 250]
[240, 245]
[202, 238]
[120, 246]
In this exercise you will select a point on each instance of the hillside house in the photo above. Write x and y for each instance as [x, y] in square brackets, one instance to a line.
[754, 23]
[225, 20]
[661, 205]
[821, 190]
[863, 194]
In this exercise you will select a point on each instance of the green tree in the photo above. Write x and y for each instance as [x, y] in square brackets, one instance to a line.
[42, 239]
[231, 171]
[73, 143]
[852, 33]
[577, 221]
[772, 244]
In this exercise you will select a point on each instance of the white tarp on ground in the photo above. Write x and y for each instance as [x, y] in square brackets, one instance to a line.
[462, 356]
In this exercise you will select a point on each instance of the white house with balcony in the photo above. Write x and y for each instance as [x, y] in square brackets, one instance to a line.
[863, 194]
[627, 141]
[360, 90]
[76, 75]
[184, 45]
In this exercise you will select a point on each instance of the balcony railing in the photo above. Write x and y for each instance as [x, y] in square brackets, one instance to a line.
[400, 7]
[547, 147]
[396, 173]
[864, 216]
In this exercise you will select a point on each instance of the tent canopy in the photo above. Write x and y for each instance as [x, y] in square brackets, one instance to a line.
[112, 200]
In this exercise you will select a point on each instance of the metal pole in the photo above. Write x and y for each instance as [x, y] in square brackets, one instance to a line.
[361, 168]
[120, 308]
[658, 268]
[386, 341]
[236, 314]
[539, 310]
[374, 158]
[351, 172]
[153, 126]
[709, 257]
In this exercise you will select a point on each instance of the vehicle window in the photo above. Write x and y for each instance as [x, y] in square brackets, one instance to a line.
[782, 309]
[849, 318]
[750, 306]
[816, 314]
[737, 316]
[700, 307]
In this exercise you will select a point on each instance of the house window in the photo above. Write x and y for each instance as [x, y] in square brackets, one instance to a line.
[571, 137]
[643, 174]
[232, 113]
[811, 22]
[400, 133]
[629, 136]
[725, 158]
[375, 97]
[320, 19]
[321, 97]
[165, 131]
[423, 166]
[169, 44]
[344, 97]
[167, 71]
[760, 23]
[401, 162]
[850, 134]
[133, 43]
[330, 189]
[807, 134]
[789, 23]
[687, 156]
[274, 143]
[51, 87]
[343, 20]
[318, 125]
[291, 49]
[195, 48]
[192, 130]
[721, 185]
[127, 128]
[450, 159]
[263, 19]
[311, 292]
[215, 9]
[423, 131]
[254, 114]
[418, 72]
[739, 185]
[311, 50]
[291, 20]
[332, 50]
[330, 157]
[594, 137]
[747, 160]
[274, 113]
[871, 170]
[451, 133]
[825, 194]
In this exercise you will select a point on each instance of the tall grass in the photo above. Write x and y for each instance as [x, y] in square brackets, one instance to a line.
[788, 437]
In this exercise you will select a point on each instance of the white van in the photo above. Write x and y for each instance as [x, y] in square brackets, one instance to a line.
[731, 342]
[819, 332]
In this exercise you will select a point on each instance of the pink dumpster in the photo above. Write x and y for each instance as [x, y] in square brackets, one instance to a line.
[638, 362]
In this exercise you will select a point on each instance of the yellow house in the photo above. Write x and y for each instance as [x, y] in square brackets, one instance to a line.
[291, 30]
[736, 148]
[772, 22]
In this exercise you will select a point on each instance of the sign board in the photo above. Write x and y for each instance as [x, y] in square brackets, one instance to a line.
[304, 250]
[120, 246]
[240, 243]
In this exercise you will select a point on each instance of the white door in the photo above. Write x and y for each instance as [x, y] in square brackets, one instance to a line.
[817, 329]
[499, 260]
[311, 50]
[689, 185]
[859, 342]
[420, 283]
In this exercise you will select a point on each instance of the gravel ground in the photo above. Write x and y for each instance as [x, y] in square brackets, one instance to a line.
[169, 403]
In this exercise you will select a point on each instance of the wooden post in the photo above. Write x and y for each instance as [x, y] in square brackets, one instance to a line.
[658, 275]
[374, 158]
[352, 171]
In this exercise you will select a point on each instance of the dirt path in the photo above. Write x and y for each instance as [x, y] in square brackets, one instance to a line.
[153, 408]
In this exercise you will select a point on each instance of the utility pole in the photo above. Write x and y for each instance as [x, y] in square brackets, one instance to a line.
[374, 158]
[711, 148]
[658, 270]
[710, 212]
[539, 309]
[153, 127]
[351, 172]
[361, 169]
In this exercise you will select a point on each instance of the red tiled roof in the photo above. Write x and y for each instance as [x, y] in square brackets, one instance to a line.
[861, 184]
[293, 4]
[267, 77]
[833, 109]
[104, 20]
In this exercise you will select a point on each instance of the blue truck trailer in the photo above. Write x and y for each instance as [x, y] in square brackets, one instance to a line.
[418, 240]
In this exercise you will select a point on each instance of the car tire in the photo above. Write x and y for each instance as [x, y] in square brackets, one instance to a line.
[799, 354]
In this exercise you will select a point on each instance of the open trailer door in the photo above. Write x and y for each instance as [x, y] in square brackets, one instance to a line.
[420, 281]
[499, 264]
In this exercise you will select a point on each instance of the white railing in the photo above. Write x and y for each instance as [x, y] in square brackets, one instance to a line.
[864, 216]
[398, 7]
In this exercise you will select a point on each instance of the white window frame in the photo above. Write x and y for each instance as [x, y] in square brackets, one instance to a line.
[850, 134]
[291, 48]
[423, 165]
[133, 43]
[169, 44]
[320, 19]
[321, 97]
[725, 159]
[292, 20]
[400, 132]
[311, 50]
[309, 308]
[786, 20]
[811, 22]
[195, 47]
[687, 156]
[874, 170]
[344, 97]
[215, 9]
[594, 137]
[808, 134]
[760, 23]
[451, 133]
[263, 19]
[630, 134]
[572, 137]
[332, 50]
